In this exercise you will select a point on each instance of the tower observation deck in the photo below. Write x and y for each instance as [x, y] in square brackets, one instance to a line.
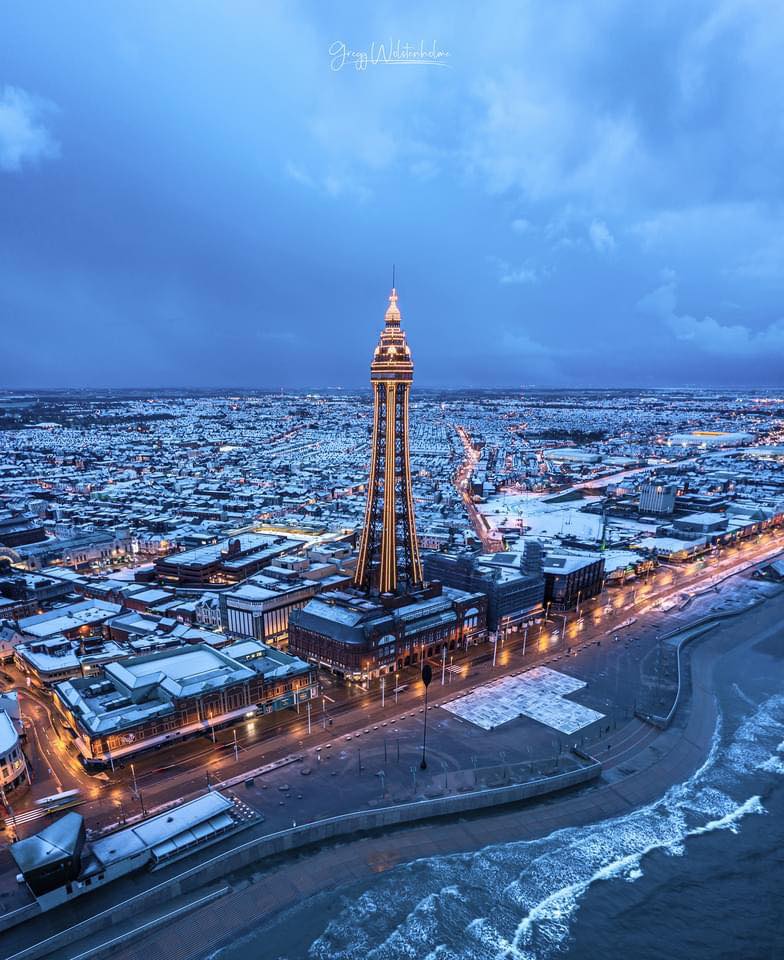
[389, 554]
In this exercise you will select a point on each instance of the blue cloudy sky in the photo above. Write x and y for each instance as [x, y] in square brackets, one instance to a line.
[588, 193]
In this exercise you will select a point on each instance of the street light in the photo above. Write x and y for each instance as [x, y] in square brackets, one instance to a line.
[443, 663]
[427, 676]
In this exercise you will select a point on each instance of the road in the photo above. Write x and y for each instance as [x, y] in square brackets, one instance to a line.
[184, 769]
[491, 542]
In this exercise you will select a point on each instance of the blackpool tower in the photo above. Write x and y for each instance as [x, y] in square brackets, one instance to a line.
[388, 553]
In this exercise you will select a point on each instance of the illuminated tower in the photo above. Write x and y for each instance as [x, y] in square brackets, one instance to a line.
[389, 553]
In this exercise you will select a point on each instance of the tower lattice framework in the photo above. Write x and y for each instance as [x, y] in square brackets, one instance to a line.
[388, 553]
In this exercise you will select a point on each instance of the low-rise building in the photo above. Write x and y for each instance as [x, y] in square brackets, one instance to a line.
[13, 766]
[260, 607]
[59, 863]
[207, 610]
[228, 561]
[701, 523]
[146, 701]
[571, 579]
[78, 550]
[57, 658]
[76, 620]
[658, 498]
[512, 593]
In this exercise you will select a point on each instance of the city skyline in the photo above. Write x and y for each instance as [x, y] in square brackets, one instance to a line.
[204, 199]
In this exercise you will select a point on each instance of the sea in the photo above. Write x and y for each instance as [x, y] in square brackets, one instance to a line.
[698, 873]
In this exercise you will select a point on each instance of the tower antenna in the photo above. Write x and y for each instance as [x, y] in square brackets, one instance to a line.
[393, 276]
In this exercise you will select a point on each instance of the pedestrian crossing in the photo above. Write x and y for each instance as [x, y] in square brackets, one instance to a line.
[25, 817]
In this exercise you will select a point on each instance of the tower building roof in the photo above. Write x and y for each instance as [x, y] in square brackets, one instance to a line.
[392, 357]
[392, 316]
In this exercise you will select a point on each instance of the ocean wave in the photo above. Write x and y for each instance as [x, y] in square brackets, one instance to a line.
[518, 901]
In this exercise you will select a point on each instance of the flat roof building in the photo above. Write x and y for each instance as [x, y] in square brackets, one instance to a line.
[658, 498]
[701, 523]
[512, 593]
[228, 561]
[58, 864]
[74, 620]
[571, 579]
[260, 607]
[146, 701]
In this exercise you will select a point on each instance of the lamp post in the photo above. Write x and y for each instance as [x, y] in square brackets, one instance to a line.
[9, 808]
[427, 676]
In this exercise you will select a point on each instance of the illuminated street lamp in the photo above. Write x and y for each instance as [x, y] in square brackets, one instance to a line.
[427, 676]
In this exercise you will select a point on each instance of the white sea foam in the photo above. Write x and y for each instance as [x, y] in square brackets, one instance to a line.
[744, 697]
[528, 893]
[731, 820]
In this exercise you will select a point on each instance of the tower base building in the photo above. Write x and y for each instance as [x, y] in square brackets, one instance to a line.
[362, 638]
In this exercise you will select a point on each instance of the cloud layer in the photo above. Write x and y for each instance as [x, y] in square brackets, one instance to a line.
[217, 205]
[24, 137]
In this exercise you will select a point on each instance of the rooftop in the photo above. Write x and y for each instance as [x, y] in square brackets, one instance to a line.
[84, 613]
[163, 834]
[8, 734]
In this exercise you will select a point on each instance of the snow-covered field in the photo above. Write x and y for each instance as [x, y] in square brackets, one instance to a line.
[555, 520]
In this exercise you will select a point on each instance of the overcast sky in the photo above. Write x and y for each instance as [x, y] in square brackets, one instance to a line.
[196, 193]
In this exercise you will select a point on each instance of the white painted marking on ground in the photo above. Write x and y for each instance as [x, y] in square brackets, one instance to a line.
[539, 694]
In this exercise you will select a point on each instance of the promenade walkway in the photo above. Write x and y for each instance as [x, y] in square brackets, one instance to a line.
[641, 762]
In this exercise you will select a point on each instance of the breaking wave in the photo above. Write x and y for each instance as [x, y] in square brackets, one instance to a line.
[519, 900]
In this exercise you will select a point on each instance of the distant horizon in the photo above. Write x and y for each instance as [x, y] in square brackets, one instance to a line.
[11, 392]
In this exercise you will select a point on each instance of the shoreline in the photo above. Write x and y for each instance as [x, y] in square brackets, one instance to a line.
[256, 898]
[668, 758]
